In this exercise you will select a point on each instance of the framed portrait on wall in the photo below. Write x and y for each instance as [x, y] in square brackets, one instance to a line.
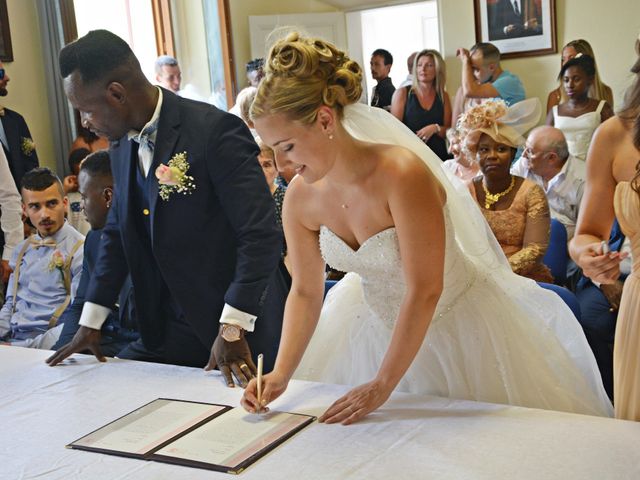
[6, 53]
[519, 28]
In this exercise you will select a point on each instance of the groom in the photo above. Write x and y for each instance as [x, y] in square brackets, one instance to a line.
[202, 250]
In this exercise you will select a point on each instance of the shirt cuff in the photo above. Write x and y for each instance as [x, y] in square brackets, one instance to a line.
[93, 315]
[233, 316]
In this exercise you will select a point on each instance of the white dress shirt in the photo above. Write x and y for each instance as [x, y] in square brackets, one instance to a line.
[94, 315]
[11, 206]
[564, 191]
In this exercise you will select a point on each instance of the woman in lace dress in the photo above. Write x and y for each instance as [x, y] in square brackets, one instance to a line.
[613, 176]
[431, 305]
[515, 208]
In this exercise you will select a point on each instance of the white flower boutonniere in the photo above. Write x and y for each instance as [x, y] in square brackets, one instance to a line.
[27, 145]
[173, 177]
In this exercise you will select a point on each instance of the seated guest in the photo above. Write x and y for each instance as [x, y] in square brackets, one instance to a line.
[599, 305]
[267, 159]
[580, 115]
[381, 62]
[255, 71]
[168, 74]
[89, 140]
[46, 266]
[598, 89]
[96, 187]
[462, 166]
[515, 208]
[70, 184]
[425, 107]
[547, 162]
[483, 77]
[243, 104]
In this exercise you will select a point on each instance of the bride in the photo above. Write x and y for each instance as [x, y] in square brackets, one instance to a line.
[433, 306]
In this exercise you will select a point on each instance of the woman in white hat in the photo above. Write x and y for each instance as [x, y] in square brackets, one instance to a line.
[515, 208]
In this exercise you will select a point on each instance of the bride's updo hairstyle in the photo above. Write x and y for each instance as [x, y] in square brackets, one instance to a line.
[303, 74]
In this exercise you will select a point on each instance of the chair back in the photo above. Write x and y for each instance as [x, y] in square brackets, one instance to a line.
[327, 285]
[557, 256]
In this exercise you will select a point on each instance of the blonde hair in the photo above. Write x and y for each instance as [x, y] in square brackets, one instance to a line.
[303, 74]
[598, 89]
[441, 71]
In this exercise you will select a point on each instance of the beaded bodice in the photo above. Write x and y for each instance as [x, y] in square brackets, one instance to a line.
[379, 264]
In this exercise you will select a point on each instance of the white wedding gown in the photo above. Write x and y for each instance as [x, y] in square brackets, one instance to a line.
[495, 336]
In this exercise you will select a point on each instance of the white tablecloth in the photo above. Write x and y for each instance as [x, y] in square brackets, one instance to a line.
[43, 409]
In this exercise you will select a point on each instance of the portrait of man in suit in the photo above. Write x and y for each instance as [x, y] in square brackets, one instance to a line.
[192, 220]
[514, 18]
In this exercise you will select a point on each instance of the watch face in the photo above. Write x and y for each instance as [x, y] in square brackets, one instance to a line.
[230, 333]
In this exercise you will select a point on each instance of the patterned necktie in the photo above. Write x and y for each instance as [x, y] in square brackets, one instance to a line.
[45, 242]
[143, 138]
[515, 7]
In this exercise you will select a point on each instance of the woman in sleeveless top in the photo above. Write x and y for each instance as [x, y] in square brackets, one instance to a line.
[425, 107]
[598, 90]
[580, 115]
[613, 173]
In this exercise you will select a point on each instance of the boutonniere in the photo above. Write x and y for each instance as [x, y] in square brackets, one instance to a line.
[173, 177]
[27, 145]
[56, 262]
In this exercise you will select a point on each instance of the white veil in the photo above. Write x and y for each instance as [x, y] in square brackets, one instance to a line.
[473, 234]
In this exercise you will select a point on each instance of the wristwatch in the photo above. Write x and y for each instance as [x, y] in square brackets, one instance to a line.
[231, 333]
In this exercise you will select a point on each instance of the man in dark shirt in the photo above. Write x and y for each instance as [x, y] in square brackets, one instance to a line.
[381, 61]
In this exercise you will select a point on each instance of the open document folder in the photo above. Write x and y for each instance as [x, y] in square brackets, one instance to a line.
[215, 437]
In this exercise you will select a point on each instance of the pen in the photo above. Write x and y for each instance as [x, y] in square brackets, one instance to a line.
[259, 382]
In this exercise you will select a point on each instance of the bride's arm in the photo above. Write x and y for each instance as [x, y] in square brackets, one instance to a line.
[416, 202]
[304, 301]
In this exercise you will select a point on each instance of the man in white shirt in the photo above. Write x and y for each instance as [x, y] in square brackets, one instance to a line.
[546, 161]
[11, 219]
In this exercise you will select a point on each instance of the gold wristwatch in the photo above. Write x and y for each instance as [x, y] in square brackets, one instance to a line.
[230, 332]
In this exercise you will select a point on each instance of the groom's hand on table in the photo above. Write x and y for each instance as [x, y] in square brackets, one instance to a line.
[359, 402]
[85, 339]
[232, 357]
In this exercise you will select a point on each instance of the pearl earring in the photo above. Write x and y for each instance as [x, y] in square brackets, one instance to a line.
[331, 136]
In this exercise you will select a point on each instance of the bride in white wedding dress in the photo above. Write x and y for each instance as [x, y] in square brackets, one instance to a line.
[432, 306]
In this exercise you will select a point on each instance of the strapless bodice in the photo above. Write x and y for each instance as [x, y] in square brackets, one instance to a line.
[378, 262]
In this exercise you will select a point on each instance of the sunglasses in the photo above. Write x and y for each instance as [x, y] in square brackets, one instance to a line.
[1, 73]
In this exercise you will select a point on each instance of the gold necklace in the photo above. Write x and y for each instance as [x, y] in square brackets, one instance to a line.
[491, 198]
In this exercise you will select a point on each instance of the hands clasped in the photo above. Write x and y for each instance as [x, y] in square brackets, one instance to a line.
[599, 267]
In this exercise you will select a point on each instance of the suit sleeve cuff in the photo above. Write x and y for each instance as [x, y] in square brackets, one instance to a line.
[237, 317]
[93, 315]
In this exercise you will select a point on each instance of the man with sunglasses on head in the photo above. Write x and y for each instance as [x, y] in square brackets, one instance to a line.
[15, 137]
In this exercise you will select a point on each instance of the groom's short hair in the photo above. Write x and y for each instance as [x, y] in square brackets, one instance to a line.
[95, 55]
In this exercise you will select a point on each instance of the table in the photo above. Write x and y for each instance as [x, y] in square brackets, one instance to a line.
[415, 437]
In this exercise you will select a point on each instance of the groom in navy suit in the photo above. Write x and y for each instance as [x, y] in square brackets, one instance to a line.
[192, 220]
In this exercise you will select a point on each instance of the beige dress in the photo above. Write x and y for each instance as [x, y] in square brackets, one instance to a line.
[626, 353]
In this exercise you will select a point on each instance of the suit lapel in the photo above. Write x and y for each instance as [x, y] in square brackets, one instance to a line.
[124, 155]
[166, 139]
[13, 140]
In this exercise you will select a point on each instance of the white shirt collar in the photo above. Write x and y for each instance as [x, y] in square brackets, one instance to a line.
[153, 122]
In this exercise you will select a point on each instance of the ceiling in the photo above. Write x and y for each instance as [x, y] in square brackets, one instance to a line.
[363, 4]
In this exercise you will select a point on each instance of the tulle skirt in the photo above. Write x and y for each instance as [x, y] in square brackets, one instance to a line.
[493, 345]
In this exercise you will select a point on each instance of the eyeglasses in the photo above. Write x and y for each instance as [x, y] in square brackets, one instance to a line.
[1, 73]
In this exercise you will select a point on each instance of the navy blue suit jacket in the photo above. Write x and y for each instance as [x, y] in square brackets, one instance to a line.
[119, 328]
[218, 245]
[16, 129]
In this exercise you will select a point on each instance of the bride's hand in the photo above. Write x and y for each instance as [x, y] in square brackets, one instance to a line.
[359, 402]
[273, 385]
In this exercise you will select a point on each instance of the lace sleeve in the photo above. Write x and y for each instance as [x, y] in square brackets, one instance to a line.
[536, 232]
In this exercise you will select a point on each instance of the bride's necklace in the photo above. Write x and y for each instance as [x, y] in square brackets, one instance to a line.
[491, 198]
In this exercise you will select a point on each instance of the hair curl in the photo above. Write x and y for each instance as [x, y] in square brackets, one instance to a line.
[302, 75]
